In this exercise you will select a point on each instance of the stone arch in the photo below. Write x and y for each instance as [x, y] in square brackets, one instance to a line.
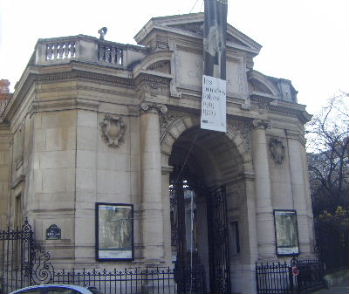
[153, 59]
[261, 83]
[178, 126]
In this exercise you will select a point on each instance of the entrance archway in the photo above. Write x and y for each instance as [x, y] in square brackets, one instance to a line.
[204, 166]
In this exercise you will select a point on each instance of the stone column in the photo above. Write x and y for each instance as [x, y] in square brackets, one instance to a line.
[152, 229]
[300, 191]
[264, 210]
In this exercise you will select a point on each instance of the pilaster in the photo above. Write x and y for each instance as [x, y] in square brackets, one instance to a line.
[153, 241]
[300, 190]
[264, 210]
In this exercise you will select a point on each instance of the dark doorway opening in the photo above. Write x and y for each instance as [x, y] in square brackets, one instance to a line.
[199, 226]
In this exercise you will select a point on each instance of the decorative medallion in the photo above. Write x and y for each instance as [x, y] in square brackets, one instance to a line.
[113, 130]
[277, 150]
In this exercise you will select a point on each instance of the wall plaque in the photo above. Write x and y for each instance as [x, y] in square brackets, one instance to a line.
[53, 232]
[286, 232]
[114, 231]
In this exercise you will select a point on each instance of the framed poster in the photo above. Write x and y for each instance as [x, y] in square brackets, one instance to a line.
[286, 232]
[114, 231]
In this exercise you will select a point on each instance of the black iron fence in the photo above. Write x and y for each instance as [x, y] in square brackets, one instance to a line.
[300, 276]
[128, 281]
[16, 257]
[23, 263]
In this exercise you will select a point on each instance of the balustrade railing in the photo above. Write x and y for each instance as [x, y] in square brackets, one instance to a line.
[60, 50]
[86, 49]
[110, 54]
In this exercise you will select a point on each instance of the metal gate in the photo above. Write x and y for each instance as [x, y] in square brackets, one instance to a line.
[22, 261]
[189, 272]
[218, 241]
[16, 257]
[219, 263]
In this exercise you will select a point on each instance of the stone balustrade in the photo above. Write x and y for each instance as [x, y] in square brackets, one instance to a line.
[86, 49]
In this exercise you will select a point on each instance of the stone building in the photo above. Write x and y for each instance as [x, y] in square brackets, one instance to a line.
[94, 121]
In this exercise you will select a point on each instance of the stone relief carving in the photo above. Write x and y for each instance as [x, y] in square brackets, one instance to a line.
[153, 85]
[244, 130]
[167, 120]
[277, 150]
[113, 130]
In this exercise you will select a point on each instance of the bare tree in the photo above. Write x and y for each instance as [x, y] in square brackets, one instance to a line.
[328, 143]
[328, 151]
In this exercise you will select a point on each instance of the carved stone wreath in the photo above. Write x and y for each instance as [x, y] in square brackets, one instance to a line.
[277, 150]
[113, 130]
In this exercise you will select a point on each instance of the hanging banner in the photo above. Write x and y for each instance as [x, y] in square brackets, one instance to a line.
[213, 104]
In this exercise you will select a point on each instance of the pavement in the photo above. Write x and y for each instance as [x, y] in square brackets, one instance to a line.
[334, 290]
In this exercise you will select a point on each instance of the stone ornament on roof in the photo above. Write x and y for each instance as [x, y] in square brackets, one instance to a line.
[113, 130]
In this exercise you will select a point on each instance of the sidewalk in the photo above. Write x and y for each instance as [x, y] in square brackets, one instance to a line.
[334, 290]
[338, 283]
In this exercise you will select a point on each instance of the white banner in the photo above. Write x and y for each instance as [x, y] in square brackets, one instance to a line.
[213, 104]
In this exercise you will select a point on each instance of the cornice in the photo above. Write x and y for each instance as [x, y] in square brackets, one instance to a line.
[268, 104]
[63, 104]
[32, 76]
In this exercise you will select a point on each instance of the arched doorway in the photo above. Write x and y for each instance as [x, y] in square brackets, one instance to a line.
[204, 164]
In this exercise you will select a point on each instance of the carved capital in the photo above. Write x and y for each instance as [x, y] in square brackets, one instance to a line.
[113, 130]
[261, 124]
[153, 107]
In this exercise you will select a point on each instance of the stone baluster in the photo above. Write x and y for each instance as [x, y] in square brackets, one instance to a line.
[153, 243]
[264, 210]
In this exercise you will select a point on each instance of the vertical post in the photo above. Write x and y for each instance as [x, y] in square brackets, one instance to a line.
[215, 29]
[181, 261]
[300, 192]
[153, 244]
[264, 211]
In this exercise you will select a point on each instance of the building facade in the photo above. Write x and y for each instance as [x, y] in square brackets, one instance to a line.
[94, 124]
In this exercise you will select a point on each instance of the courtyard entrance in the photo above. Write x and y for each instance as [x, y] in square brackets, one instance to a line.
[199, 216]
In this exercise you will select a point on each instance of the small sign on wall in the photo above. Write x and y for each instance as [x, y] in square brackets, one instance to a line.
[53, 232]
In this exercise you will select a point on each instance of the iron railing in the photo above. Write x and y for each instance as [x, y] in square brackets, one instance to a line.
[300, 276]
[128, 281]
[23, 263]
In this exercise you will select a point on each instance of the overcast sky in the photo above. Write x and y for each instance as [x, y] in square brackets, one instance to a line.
[306, 41]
